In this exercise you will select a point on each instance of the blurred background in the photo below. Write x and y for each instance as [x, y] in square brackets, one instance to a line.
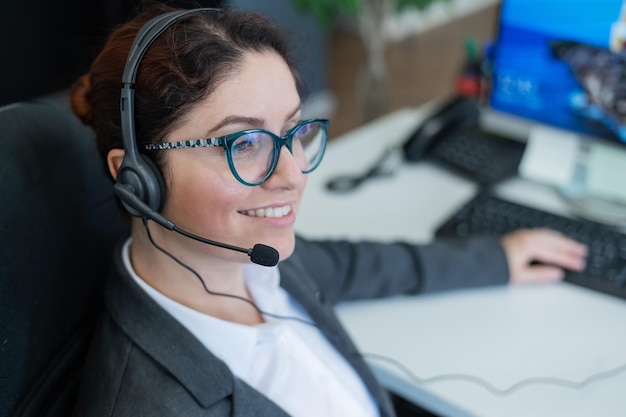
[46, 45]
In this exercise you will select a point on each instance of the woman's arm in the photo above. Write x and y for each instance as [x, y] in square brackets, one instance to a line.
[350, 270]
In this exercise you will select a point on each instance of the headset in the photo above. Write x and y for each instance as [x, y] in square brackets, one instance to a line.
[137, 173]
[139, 184]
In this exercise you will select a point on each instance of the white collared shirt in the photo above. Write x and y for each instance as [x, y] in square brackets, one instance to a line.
[291, 363]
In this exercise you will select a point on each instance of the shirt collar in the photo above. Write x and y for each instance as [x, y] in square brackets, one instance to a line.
[264, 285]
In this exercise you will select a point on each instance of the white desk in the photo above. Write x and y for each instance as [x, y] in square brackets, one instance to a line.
[502, 335]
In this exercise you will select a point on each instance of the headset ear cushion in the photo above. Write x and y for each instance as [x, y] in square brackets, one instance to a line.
[160, 182]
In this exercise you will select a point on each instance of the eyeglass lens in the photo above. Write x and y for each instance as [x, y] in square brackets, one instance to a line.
[253, 154]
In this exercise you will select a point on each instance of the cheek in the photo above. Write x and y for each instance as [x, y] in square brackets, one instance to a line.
[304, 182]
[201, 194]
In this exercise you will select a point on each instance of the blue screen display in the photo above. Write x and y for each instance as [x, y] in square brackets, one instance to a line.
[563, 62]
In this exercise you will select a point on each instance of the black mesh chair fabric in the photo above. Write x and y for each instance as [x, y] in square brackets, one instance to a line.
[59, 222]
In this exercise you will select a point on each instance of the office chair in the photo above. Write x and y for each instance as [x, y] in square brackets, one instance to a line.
[59, 223]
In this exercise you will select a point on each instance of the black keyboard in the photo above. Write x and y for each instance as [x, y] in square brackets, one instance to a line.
[606, 264]
[479, 155]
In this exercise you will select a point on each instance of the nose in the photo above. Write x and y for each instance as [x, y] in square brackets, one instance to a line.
[287, 173]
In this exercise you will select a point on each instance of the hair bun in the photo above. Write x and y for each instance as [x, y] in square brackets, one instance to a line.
[80, 98]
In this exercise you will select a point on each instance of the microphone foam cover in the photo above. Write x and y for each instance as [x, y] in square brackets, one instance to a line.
[264, 255]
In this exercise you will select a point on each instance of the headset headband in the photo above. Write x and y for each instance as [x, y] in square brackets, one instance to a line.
[137, 175]
[146, 36]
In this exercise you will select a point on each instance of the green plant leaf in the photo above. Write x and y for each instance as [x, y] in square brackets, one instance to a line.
[417, 4]
[327, 10]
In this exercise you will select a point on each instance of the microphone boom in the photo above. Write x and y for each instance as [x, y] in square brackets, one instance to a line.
[260, 254]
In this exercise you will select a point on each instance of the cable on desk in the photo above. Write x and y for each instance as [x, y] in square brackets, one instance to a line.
[385, 166]
[559, 382]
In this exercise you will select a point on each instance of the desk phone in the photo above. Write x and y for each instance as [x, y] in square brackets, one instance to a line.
[452, 136]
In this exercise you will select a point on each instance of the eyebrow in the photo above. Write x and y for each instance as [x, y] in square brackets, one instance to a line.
[250, 121]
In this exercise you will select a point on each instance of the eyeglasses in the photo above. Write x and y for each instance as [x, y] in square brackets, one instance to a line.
[252, 154]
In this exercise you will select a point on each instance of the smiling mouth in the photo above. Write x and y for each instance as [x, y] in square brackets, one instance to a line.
[271, 212]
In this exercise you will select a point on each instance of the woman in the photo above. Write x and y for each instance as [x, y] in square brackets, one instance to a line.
[193, 329]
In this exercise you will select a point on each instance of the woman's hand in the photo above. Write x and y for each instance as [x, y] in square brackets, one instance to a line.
[542, 255]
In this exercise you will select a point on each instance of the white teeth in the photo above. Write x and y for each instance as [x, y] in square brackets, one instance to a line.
[272, 212]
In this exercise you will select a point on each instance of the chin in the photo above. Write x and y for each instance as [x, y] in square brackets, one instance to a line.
[284, 248]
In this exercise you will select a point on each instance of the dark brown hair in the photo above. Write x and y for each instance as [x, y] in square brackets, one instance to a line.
[182, 67]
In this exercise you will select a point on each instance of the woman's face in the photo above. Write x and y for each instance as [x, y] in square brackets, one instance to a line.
[203, 195]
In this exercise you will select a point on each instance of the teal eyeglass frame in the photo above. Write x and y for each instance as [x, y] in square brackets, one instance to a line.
[226, 142]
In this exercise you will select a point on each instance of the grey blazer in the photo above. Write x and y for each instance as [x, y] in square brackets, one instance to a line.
[143, 362]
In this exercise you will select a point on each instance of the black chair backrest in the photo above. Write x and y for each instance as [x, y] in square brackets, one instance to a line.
[59, 222]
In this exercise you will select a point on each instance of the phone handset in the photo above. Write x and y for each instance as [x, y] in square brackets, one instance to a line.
[453, 114]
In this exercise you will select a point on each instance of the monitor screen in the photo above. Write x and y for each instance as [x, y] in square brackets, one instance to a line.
[562, 63]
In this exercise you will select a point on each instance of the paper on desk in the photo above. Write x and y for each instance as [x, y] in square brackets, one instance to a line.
[550, 156]
[606, 172]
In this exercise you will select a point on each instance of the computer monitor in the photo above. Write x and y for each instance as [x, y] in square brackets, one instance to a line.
[562, 64]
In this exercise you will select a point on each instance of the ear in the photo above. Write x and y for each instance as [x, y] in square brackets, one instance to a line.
[114, 161]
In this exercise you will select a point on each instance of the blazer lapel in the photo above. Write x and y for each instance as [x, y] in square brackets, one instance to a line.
[166, 340]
